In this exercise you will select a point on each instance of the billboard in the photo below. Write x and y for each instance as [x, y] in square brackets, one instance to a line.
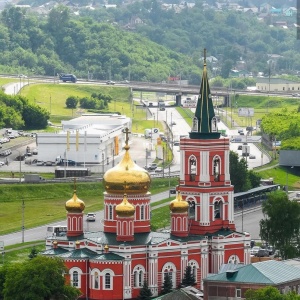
[189, 102]
[245, 112]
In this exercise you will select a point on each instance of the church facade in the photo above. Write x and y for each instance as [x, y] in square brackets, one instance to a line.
[115, 262]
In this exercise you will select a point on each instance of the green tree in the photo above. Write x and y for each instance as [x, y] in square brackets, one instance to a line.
[254, 178]
[38, 278]
[35, 117]
[281, 224]
[145, 293]
[33, 253]
[167, 286]
[270, 293]
[238, 173]
[72, 102]
[188, 278]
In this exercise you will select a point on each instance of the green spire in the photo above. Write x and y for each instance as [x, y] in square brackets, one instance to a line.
[204, 122]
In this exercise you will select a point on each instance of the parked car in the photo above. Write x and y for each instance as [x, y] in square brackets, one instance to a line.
[252, 156]
[262, 253]
[158, 169]
[296, 95]
[110, 82]
[91, 217]
[34, 151]
[152, 167]
[2, 163]
[240, 147]
[40, 163]
[254, 250]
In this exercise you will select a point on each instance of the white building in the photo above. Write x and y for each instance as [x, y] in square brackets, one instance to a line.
[90, 139]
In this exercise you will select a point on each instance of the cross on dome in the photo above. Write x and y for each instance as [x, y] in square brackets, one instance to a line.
[127, 135]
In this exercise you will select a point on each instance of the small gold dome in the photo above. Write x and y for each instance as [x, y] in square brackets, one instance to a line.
[179, 205]
[127, 177]
[125, 209]
[75, 204]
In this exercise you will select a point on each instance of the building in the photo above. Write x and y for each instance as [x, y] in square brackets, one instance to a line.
[234, 282]
[266, 84]
[113, 263]
[90, 138]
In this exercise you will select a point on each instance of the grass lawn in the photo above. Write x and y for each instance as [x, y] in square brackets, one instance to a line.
[44, 203]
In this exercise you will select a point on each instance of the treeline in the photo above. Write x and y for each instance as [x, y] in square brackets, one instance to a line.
[165, 43]
[96, 101]
[17, 113]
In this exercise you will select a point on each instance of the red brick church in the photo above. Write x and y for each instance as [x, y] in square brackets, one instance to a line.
[113, 263]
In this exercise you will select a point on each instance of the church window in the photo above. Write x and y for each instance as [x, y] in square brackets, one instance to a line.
[214, 127]
[217, 209]
[96, 281]
[75, 279]
[107, 281]
[142, 213]
[193, 168]
[195, 125]
[139, 276]
[238, 293]
[110, 212]
[216, 169]
[194, 267]
[191, 209]
[169, 270]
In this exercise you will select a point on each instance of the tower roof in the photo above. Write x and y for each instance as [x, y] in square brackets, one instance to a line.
[204, 122]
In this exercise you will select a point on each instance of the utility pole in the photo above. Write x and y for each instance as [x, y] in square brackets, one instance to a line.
[23, 220]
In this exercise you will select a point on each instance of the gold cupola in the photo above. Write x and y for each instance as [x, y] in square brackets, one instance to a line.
[75, 205]
[127, 176]
[125, 209]
[179, 205]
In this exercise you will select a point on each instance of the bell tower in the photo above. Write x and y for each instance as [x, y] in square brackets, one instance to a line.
[204, 176]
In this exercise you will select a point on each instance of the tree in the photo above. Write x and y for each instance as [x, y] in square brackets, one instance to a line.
[167, 286]
[270, 293]
[72, 102]
[38, 278]
[188, 278]
[33, 253]
[281, 224]
[145, 293]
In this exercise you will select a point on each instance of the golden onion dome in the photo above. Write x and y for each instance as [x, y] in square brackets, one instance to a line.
[125, 209]
[75, 204]
[127, 177]
[179, 205]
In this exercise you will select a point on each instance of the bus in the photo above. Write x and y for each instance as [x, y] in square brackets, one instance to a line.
[161, 105]
[57, 230]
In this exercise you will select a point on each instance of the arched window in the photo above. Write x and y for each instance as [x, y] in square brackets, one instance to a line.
[75, 278]
[142, 213]
[107, 281]
[195, 125]
[218, 209]
[192, 207]
[110, 208]
[194, 266]
[214, 127]
[169, 269]
[138, 276]
[96, 280]
[192, 168]
[216, 168]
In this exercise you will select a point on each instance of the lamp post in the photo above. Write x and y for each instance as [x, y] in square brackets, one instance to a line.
[23, 220]
[20, 166]
[287, 181]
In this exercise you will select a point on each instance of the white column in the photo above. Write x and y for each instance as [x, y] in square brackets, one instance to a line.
[204, 170]
[226, 157]
[182, 161]
[230, 207]
[204, 215]
[127, 279]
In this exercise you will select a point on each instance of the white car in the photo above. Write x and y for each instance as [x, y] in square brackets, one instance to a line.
[91, 217]
[2, 163]
[254, 250]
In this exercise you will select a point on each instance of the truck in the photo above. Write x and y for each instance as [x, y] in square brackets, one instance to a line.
[33, 178]
[64, 162]
[68, 77]
[161, 105]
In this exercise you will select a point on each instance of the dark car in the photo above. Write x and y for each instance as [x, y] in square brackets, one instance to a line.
[172, 191]
[262, 253]
[240, 147]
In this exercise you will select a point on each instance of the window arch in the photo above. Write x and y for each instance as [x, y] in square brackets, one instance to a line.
[95, 279]
[192, 207]
[107, 282]
[75, 277]
[138, 276]
[195, 266]
[218, 208]
[192, 167]
[169, 269]
[233, 259]
[214, 126]
[216, 168]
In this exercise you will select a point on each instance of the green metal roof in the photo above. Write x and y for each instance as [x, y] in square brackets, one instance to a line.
[269, 272]
[54, 251]
[79, 253]
[108, 256]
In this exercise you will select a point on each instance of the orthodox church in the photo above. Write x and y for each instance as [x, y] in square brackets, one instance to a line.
[113, 263]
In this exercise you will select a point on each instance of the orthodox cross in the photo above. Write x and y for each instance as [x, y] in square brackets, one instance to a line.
[204, 56]
[127, 136]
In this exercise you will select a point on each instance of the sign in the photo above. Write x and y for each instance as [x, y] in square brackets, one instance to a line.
[246, 139]
[189, 102]
[245, 112]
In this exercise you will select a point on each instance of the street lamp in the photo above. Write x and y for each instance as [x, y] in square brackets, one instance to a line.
[20, 166]
[287, 181]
